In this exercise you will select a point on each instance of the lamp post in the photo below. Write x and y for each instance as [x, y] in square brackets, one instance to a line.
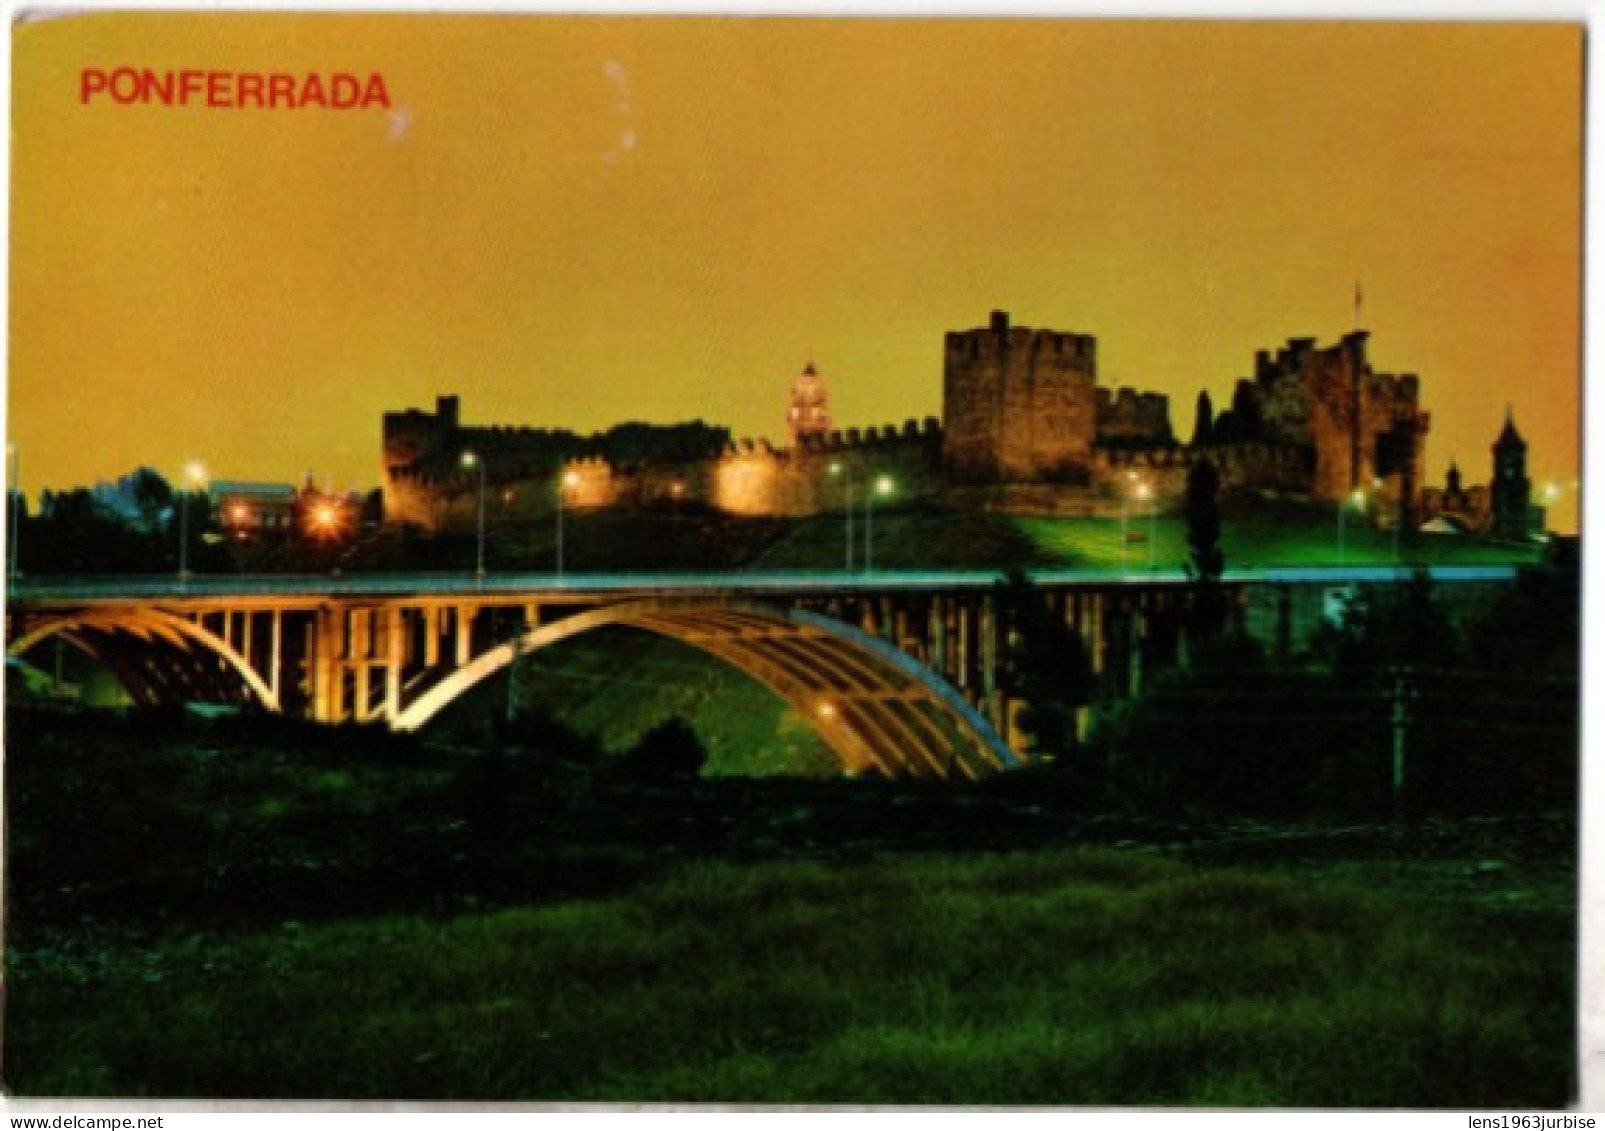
[1357, 499]
[1146, 494]
[1125, 506]
[567, 480]
[472, 460]
[883, 486]
[1398, 521]
[15, 497]
[194, 476]
[847, 486]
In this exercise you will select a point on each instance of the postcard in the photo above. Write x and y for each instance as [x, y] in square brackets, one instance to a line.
[972, 561]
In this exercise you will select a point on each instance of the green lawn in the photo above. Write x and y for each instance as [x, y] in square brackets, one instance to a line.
[1255, 539]
[1255, 535]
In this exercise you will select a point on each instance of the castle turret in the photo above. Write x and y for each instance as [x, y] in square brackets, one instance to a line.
[1510, 493]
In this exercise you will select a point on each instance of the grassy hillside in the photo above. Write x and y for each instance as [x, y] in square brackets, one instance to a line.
[1255, 534]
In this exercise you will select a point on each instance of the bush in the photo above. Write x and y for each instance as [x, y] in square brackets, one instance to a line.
[669, 752]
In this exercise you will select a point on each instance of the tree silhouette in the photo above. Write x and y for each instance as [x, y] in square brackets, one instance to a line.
[1046, 664]
[1206, 563]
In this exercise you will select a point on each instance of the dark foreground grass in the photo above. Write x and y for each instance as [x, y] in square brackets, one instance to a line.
[1058, 977]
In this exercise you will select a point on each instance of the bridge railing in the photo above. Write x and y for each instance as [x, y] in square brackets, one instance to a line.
[57, 588]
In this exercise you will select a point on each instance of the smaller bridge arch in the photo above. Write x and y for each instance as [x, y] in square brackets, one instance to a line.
[877, 709]
[156, 656]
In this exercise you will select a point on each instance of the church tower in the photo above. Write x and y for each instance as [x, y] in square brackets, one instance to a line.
[809, 414]
[1511, 491]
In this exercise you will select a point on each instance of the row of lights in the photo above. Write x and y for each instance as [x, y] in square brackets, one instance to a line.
[472, 461]
[883, 485]
[880, 485]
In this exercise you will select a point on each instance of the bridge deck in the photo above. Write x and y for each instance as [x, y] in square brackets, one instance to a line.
[276, 588]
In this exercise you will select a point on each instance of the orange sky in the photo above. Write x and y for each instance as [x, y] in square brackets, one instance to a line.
[571, 222]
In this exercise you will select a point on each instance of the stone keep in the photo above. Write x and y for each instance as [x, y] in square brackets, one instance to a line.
[1019, 405]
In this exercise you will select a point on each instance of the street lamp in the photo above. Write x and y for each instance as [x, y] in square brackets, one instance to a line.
[569, 479]
[194, 476]
[472, 460]
[1125, 519]
[883, 486]
[15, 497]
[1145, 493]
[1357, 498]
[847, 485]
[1125, 506]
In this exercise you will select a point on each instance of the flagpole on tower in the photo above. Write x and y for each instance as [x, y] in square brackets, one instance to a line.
[1359, 301]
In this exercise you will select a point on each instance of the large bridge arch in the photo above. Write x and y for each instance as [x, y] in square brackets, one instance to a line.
[875, 707]
[156, 656]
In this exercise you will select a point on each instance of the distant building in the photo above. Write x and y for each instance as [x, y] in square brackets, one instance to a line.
[251, 511]
[1502, 508]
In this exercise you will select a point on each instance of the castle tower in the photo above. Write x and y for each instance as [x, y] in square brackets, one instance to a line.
[1510, 494]
[809, 414]
[1018, 405]
[1358, 424]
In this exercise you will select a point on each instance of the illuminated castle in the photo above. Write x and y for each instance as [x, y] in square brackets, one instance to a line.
[1026, 428]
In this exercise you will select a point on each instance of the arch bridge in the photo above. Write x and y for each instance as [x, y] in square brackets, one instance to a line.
[899, 673]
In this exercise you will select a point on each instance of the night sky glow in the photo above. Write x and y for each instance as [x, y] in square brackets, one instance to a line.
[575, 221]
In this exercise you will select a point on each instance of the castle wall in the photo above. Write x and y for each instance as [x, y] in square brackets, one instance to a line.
[1131, 418]
[1118, 473]
[753, 479]
[750, 478]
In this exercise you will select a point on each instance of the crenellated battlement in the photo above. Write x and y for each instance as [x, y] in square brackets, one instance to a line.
[1391, 386]
[838, 441]
[1129, 416]
[999, 340]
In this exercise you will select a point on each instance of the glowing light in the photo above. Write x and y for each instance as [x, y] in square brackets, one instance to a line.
[194, 473]
[571, 479]
[884, 485]
[827, 711]
[469, 459]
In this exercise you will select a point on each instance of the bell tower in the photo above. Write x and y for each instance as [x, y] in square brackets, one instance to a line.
[1510, 494]
[809, 414]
